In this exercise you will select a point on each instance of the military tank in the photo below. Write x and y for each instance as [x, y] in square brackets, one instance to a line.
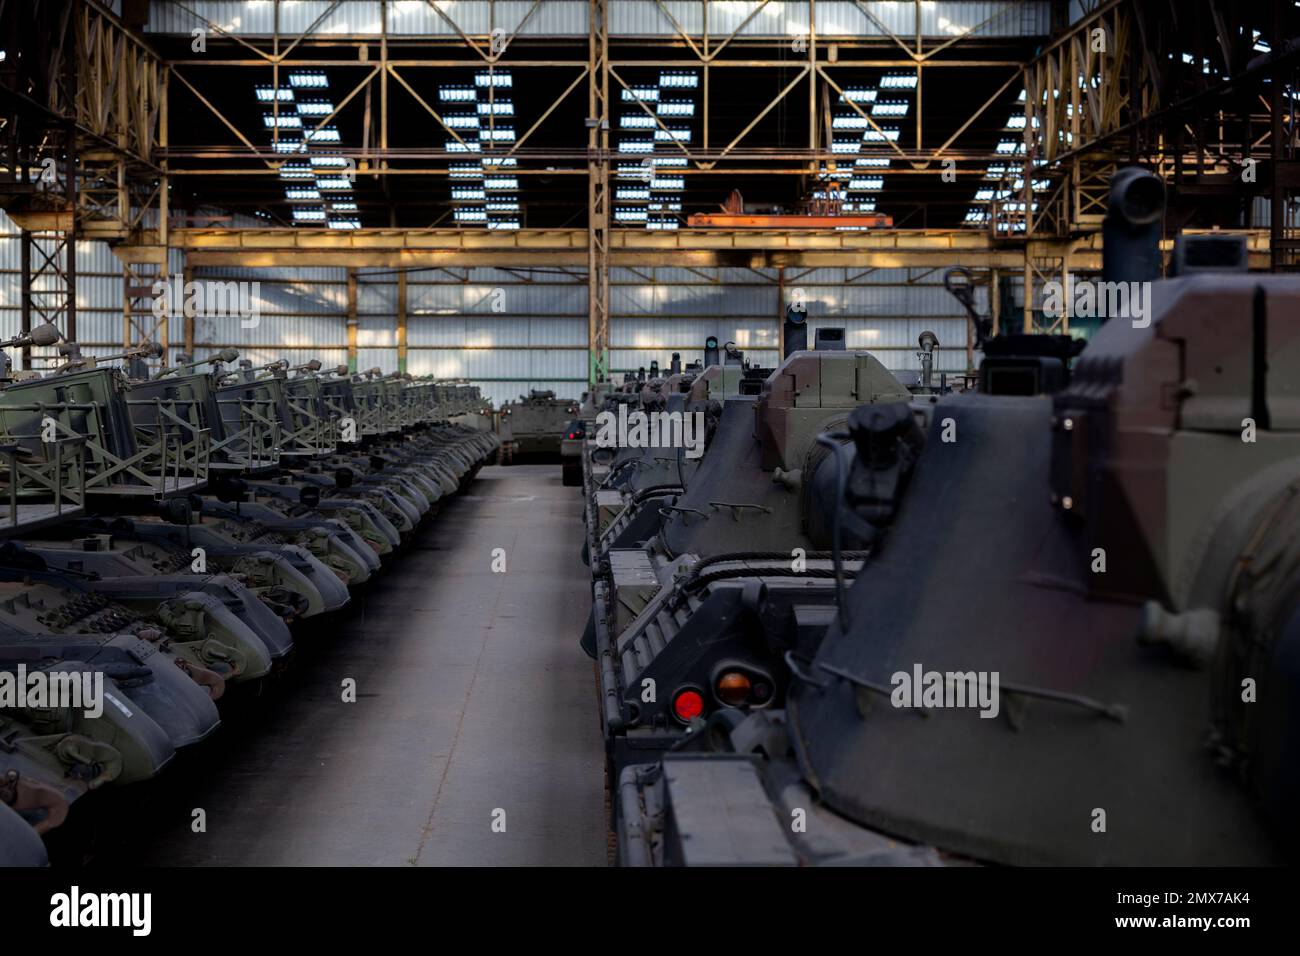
[628, 487]
[1073, 644]
[677, 623]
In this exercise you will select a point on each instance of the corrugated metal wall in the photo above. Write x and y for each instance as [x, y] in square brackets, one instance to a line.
[511, 330]
[835, 18]
[881, 310]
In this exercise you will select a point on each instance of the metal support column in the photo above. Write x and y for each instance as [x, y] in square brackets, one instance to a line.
[598, 192]
[352, 320]
[48, 283]
[401, 321]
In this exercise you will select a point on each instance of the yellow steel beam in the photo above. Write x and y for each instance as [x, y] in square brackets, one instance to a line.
[394, 248]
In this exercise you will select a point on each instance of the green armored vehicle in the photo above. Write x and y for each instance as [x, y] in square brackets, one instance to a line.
[1081, 607]
[534, 425]
[675, 638]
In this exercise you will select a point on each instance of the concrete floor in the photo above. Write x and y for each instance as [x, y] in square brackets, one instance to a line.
[473, 697]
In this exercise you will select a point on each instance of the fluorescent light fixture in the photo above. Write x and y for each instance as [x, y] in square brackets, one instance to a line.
[898, 81]
[678, 79]
[858, 94]
[457, 94]
[677, 133]
[268, 94]
[676, 108]
[308, 80]
[849, 121]
[889, 108]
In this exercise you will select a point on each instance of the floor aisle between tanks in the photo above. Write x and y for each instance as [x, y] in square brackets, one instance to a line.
[473, 697]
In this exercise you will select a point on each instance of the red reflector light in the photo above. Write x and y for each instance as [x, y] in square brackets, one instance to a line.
[688, 705]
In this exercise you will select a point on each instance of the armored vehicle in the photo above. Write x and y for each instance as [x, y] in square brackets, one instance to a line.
[534, 425]
[164, 534]
[1074, 643]
[678, 631]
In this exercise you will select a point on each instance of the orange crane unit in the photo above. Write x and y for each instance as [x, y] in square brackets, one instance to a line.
[822, 214]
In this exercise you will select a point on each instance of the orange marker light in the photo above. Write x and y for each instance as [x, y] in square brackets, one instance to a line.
[733, 688]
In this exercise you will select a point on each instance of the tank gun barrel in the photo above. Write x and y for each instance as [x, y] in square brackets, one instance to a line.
[41, 336]
[225, 356]
[77, 360]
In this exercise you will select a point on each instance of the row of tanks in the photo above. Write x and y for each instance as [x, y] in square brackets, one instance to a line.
[168, 540]
[849, 617]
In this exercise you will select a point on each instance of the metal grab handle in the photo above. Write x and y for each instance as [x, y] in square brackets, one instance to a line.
[801, 675]
[737, 507]
[666, 512]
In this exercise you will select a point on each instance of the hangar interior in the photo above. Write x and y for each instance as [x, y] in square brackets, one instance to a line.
[427, 221]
